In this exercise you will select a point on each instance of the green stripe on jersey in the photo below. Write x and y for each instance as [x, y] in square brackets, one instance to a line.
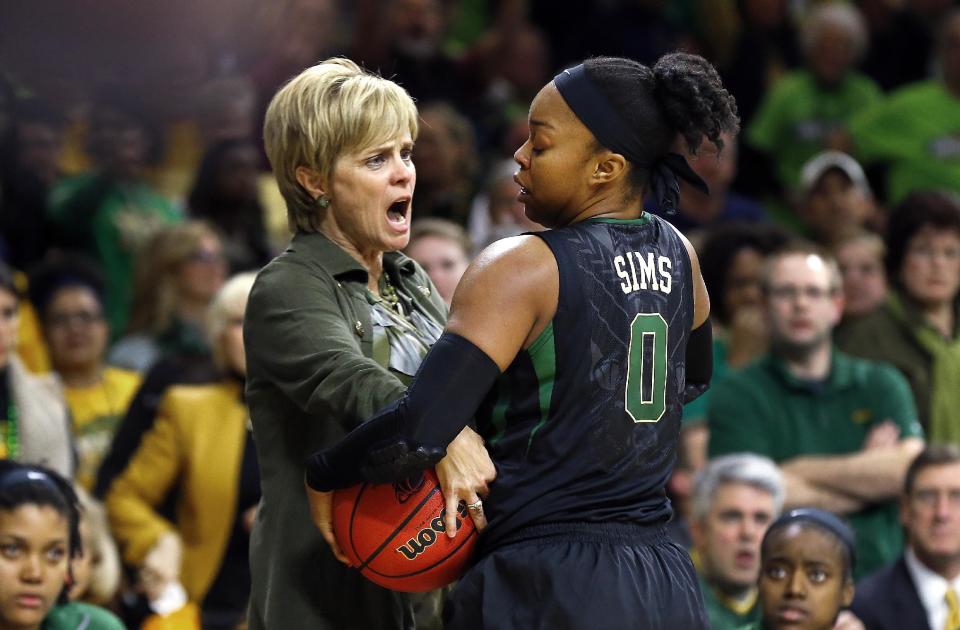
[642, 220]
[498, 416]
[543, 356]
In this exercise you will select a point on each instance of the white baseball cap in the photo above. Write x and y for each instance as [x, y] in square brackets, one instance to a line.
[817, 166]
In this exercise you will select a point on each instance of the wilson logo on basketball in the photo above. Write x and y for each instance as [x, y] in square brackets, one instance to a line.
[428, 535]
[407, 488]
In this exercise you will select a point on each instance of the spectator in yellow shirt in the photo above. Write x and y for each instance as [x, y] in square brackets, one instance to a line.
[68, 295]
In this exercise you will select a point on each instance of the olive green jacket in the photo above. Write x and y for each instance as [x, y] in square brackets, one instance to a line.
[310, 379]
[881, 335]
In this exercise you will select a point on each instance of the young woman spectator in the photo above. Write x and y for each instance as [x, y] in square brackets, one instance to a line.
[39, 532]
[806, 574]
[68, 293]
[178, 272]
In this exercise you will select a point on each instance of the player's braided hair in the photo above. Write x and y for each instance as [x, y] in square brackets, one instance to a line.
[681, 94]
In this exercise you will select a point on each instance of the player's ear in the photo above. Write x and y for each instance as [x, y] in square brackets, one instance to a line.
[610, 167]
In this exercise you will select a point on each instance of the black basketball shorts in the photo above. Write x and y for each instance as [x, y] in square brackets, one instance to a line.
[580, 576]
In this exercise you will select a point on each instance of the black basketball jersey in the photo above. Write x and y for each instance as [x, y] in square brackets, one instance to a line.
[583, 425]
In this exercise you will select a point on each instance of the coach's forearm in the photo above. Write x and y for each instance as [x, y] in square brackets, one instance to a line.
[412, 433]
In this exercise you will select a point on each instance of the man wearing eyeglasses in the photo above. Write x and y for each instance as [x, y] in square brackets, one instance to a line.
[842, 430]
[920, 589]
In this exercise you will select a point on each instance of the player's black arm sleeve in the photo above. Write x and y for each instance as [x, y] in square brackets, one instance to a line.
[699, 360]
[411, 434]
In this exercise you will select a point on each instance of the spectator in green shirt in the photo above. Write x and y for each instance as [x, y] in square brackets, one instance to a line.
[914, 130]
[842, 430]
[109, 212]
[807, 110]
[735, 498]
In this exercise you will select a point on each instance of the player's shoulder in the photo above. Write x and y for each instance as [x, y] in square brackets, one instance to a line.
[516, 255]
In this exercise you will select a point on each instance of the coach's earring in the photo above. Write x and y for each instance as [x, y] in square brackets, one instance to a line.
[322, 201]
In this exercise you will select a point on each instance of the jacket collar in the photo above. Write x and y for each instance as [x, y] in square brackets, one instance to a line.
[319, 249]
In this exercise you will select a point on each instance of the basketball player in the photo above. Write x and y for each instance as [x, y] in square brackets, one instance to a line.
[575, 348]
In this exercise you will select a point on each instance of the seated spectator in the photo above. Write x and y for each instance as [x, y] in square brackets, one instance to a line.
[699, 210]
[806, 577]
[860, 256]
[912, 132]
[916, 329]
[178, 272]
[842, 430]
[919, 590]
[34, 425]
[443, 249]
[495, 212]
[446, 164]
[28, 168]
[808, 110]
[226, 194]
[834, 199]
[731, 260]
[202, 444]
[96, 572]
[68, 294]
[39, 520]
[735, 498]
[110, 212]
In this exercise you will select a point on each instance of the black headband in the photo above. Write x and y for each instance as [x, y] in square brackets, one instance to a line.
[595, 111]
[28, 475]
[830, 522]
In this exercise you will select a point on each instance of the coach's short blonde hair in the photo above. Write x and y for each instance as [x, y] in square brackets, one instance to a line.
[327, 110]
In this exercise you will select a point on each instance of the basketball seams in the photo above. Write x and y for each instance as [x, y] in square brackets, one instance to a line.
[409, 517]
[366, 514]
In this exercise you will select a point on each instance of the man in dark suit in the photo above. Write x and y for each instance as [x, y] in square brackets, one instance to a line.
[920, 590]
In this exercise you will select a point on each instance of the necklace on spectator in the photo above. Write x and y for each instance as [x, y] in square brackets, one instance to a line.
[388, 294]
[10, 433]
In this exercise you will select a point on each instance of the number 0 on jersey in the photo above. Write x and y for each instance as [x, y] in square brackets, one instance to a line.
[646, 395]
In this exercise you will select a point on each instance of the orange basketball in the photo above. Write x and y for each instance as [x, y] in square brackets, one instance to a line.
[394, 534]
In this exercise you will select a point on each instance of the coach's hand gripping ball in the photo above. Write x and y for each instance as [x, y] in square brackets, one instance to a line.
[394, 534]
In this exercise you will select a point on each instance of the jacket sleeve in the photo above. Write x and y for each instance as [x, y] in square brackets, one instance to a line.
[134, 495]
[297, 339]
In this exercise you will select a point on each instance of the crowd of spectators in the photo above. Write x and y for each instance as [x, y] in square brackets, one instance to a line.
[829, 243]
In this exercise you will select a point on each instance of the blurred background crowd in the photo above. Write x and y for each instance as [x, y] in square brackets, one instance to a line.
[135, 200]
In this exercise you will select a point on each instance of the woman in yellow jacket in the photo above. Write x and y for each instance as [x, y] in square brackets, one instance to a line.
[202, 444]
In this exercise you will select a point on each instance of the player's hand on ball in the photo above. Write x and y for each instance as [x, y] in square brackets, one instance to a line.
[321, 511]
[464, 475]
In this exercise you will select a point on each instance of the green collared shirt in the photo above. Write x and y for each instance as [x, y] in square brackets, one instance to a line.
[727, 614]
[764, 409]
